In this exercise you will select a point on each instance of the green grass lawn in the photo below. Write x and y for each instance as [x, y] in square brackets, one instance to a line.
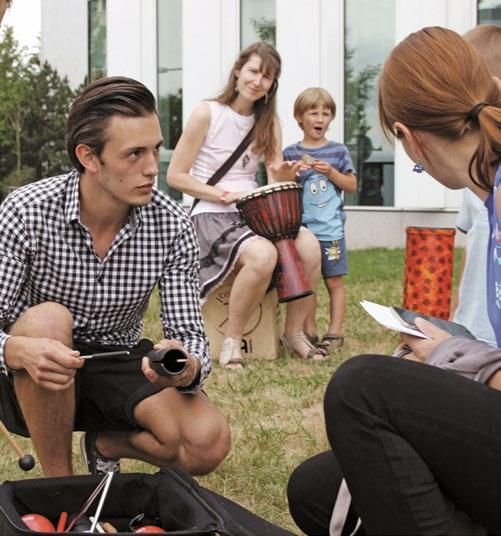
[275, 407]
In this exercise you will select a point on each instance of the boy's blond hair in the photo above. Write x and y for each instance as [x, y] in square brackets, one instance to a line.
[486, 39]
[310, 98]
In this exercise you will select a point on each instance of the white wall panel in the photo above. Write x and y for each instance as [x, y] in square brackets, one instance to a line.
[298, 41]
[64, 38]
[202, 49]
[331, 24]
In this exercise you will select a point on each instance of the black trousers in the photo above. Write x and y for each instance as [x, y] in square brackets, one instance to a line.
[419, 447]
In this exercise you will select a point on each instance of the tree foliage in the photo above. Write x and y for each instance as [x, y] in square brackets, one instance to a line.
[34, 102]
[266, 29]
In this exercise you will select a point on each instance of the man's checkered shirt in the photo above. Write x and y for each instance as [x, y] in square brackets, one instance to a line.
[46, 255]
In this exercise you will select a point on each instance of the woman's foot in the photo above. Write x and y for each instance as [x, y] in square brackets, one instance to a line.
[230, 356]
[313, 338]
[299, 345]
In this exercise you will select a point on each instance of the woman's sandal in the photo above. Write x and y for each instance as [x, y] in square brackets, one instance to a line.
[331, 342]
[314, 353]
[226, 357]
[314, 339]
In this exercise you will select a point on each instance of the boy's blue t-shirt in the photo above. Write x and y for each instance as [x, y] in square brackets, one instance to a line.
[323, 211]
[494, 261]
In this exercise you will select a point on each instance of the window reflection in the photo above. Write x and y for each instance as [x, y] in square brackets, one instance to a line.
[369, 37]
[257, 22]
[170, 92]
[489, 12]
[97, 39]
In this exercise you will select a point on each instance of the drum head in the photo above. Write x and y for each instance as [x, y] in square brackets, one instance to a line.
[270, 188]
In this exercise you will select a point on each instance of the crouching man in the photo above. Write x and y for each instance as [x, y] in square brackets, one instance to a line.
[80, 255]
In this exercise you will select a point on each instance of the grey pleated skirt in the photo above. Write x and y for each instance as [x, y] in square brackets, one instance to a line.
[222, 237]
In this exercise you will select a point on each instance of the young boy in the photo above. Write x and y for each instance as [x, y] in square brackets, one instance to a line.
[329, 173]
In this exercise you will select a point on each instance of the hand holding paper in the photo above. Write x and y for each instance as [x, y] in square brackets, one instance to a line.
[415, 327]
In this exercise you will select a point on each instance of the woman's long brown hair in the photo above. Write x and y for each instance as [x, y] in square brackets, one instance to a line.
[265, 107]
[436, 82]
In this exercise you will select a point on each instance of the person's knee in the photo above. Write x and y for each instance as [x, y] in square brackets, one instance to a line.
[352, 381]
[209, 448]
[311, 492]
[334, 284]
[48, 319]
[261, 255]
[308, 247]
[298, 492]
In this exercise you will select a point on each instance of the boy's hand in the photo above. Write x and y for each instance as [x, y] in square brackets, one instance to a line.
[323, 167]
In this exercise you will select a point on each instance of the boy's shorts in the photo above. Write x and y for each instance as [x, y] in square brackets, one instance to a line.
[334, 260]
[106, 391]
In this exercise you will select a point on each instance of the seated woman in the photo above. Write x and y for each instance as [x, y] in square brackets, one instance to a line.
[419, 446]
[213, 132]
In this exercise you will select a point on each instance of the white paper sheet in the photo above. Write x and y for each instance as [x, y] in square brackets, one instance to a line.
[387, 317]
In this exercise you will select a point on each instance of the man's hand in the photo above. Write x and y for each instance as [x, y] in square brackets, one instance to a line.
[187, 377]
[422, 348]
[50, 363]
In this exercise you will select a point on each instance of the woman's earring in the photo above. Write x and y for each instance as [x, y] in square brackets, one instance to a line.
[418, 168]
[236, 85]
[266, 98]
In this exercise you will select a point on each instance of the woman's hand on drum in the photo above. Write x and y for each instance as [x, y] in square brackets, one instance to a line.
[287, 170]
[233, 197]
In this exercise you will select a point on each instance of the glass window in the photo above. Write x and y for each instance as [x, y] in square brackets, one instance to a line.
[97, 39]
[170, 79]
[489, 12]
[257, 22]
[369, 37]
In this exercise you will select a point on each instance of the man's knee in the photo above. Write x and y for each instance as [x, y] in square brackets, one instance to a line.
[48, 319]
[211, 448]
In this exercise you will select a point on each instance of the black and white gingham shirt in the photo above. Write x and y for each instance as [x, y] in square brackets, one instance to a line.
[46, 254]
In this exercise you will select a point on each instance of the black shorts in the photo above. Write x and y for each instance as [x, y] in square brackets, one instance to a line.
[106, 391]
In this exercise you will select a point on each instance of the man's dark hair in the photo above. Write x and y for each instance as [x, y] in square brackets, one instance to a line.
[91, 111]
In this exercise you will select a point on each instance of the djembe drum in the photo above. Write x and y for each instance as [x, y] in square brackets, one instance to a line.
[274, 212]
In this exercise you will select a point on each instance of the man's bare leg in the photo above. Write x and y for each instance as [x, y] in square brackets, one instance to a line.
[179, 429]
[49, 415]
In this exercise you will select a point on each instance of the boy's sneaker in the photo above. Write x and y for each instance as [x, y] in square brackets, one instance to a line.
[95, 462]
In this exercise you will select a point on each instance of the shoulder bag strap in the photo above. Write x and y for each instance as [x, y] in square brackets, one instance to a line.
[221, 172]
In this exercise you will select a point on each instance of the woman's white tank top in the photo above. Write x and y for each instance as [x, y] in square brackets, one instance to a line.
[226, 130]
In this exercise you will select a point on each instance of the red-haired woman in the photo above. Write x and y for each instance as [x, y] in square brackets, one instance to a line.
[419, 446]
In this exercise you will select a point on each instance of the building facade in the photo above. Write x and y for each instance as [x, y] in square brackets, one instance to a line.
[183, 50]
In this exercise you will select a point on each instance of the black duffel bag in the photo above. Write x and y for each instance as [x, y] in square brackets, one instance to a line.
[170, 499]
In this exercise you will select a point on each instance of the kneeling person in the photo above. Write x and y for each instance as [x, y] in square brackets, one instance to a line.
[80, 256]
